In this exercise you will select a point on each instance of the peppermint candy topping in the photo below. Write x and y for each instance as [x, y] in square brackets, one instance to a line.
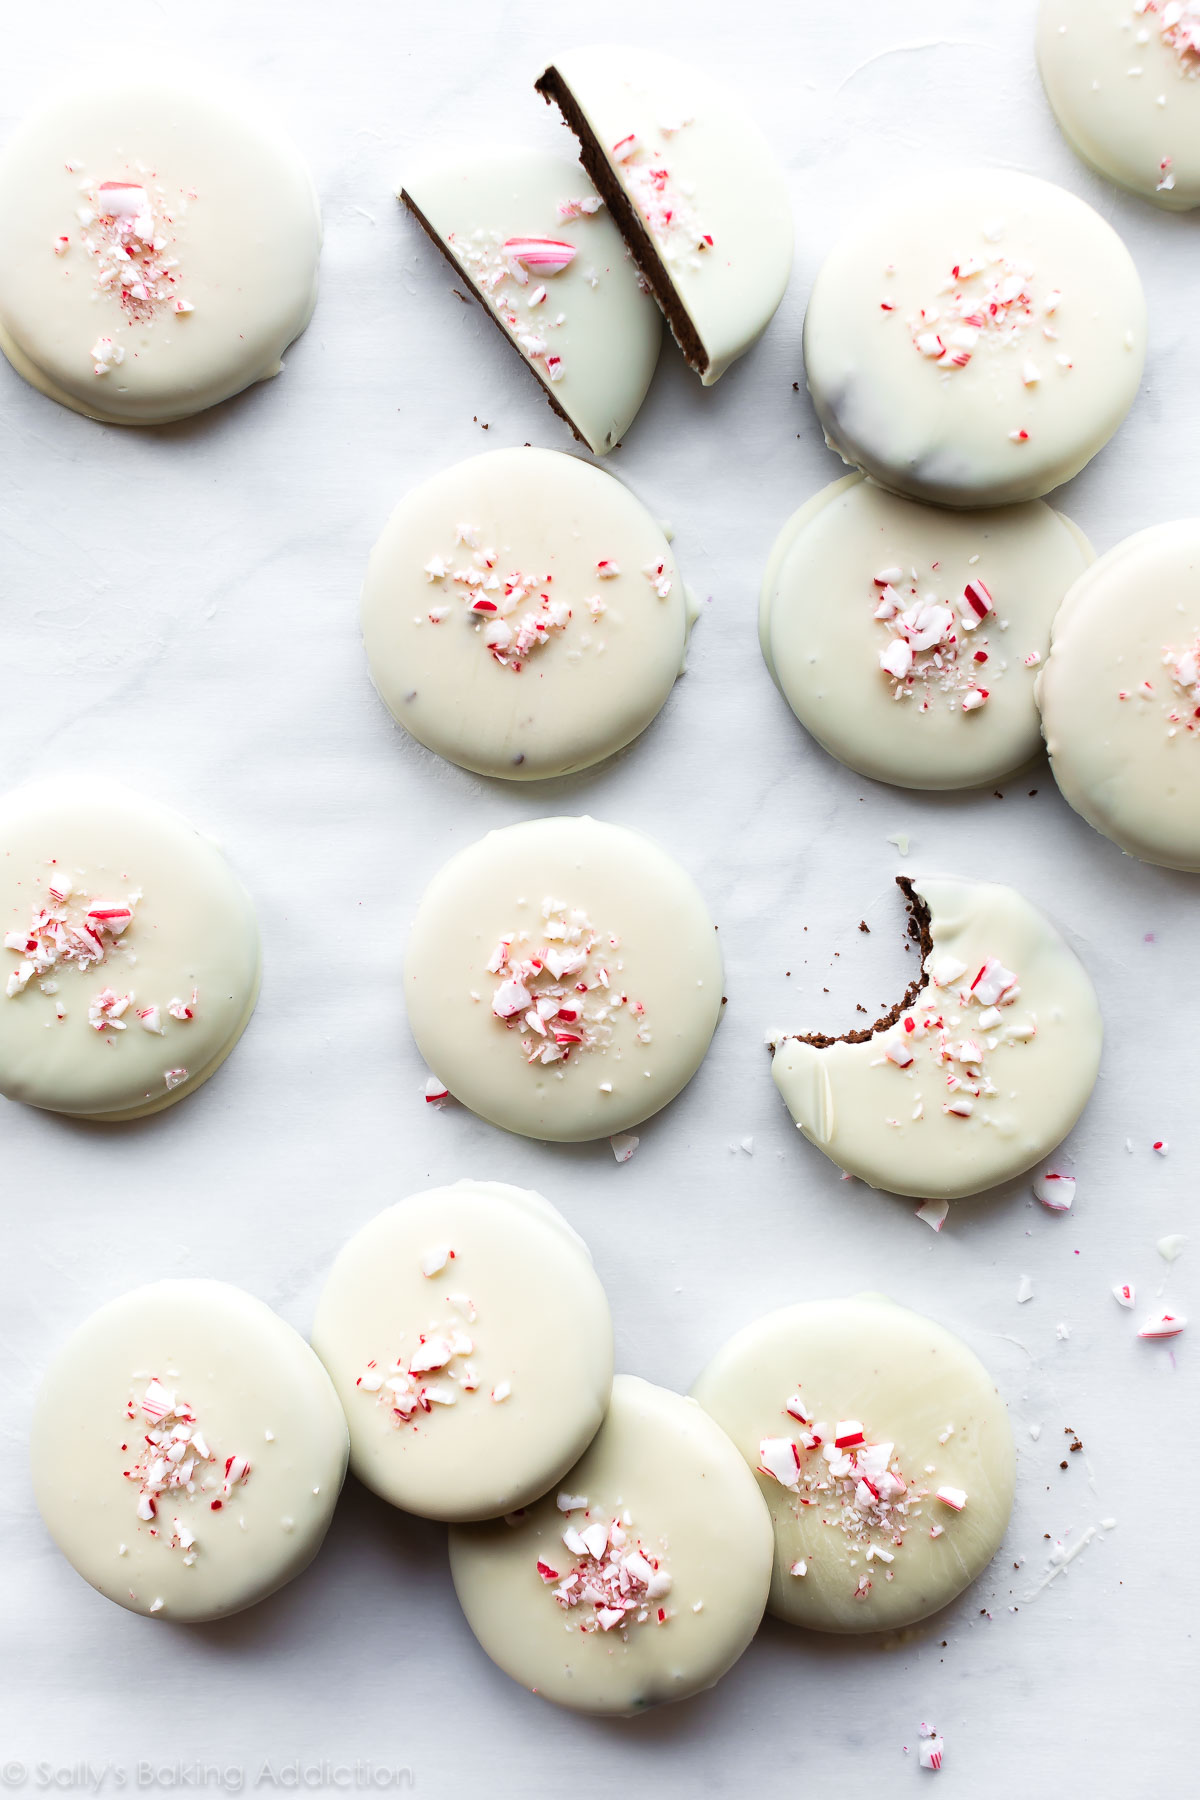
[1183, 668]
[81, 933]
[438, 1369]
[930, 647]
[500, 270]
[943, 1043]
[614, 1581]
[560, 990]
[858, 1487]
[126, 229]
[987, 302]
[174, 1463]
[513, 613]
[665, 202]
[1179, 26]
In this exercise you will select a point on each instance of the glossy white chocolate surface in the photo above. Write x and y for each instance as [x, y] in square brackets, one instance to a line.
[704, 181]
[523, 614]
[222, 272]
[849, 1560]
[111, 1022]
[653, 975]
[574, 309]
[962, 1093]
[1120, 695]
[686, 1504]
[489, 1295]
[1123, 78]
[986, 386]
[239, 1387]
[854, 578]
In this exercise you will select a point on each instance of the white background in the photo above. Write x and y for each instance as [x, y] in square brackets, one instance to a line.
[178, 609]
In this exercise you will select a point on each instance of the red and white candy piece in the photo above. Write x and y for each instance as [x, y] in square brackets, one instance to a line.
[1056, 1192]
[547, 256]
[847, 1433]
[1163, 1324]
[779, 1457]
[953, 1497]
[1123, 1293]
[930, 1748]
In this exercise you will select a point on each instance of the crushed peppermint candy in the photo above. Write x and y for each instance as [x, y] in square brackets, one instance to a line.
[666, 204]
[66, 929]
[614, 1581]
[1183, 667]
[1163, 1325]
[954, 1047]
[857, 1487]
[930, 1748]
[1056, 1192]
[500, 270]
[174, 1464]
[513, 613]
[438, 1368]
[1179, 27]
[559, 990]
[988, 302]
[934, 1213]
[930, 645]
[1123, 1294]
[623, 1146]
[126, 228]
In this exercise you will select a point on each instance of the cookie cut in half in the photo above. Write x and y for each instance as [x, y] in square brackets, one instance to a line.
[693, 187]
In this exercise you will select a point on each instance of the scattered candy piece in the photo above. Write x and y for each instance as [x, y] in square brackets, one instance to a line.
[955, 1498]
[1056, 1192]
[1123, 1294]
[1024, 1290]
[623, 1146]
[1163, 1325]
[1172, 1246]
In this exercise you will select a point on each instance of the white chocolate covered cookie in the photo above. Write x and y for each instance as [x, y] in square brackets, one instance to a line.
[469, 1340]
[533, 240]
[978, 1073]
[160, 250]
[883, 1451]
[188, 1450]
[130, 956]
[691, 183]
[641, 1580]
[563, 978]
[1120, 695]
[523, 614]
[907, 638]
[975, 339]
[1123, 77]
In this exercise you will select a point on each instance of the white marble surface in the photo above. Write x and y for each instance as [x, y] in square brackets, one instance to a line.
[179, 609]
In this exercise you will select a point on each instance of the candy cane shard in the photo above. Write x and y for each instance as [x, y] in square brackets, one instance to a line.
[548, 256]
[1163, 1325]
[1056, 1192]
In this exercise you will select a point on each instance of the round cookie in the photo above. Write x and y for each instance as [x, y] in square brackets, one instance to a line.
[883, 1451]
[641, 1581]
[523, 615]
[978, 1073]
[906, 638]
[1120, 696]
[1123, 78]
[563, 978]
[187, 1451]
[532, 238]
[130, 957]
[694, 188]
[469, 1340]
[978, 347]
[161, 250]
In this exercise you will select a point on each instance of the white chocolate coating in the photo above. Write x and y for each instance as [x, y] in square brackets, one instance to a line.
[964, 711]
[1120, 695]
[223, 263]
[568, 661]
[708, 190]
[196, 1535]
[927, 381]
[495, 1276]
[653, 995]
[112, 1024]
[989, 1089]
[685, 1499]
[911, 1386]
[1123, 77]
[593, 336]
